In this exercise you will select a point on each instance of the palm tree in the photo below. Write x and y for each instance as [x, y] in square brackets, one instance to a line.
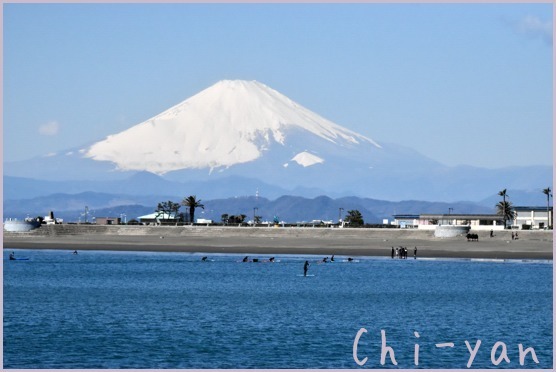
[548, 194]
[503, 194]
[506, 210]
[192, 203]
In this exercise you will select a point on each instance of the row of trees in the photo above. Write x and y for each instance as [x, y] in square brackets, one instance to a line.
[506, 209]
[354, 218]
[170, 208]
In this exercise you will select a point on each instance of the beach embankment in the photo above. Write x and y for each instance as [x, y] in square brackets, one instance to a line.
[282, 240]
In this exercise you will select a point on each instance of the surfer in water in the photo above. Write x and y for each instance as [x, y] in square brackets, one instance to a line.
[204, 258]
[246, 259]
[305, 268]
[12, 256]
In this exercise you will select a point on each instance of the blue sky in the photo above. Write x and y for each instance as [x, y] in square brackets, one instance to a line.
[461, 83]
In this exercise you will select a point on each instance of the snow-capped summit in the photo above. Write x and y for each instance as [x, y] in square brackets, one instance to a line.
[230, 123]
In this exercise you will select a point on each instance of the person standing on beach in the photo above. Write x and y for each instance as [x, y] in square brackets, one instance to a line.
[415, 253]
[393, 252]
[305, 268]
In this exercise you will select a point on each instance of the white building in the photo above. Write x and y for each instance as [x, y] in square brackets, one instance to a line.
[157, 218]
[430, 221]
[204, 221]
[525, 218]
[532, 218]
[475, 221]
[406, 221]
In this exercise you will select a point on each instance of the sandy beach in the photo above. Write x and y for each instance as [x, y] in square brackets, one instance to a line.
[282, 240]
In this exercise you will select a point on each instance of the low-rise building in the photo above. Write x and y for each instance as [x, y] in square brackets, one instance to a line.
[532, 217]
[204, 221]
[158, 218]
[108, 220]
[429, 221]
[525, 218]
[475, 221]
[405, 221]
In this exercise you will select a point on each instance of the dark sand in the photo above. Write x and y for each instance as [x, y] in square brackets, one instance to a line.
[282, 240]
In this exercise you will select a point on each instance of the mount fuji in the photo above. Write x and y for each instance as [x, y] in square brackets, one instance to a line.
[230, 123]
[245, 130]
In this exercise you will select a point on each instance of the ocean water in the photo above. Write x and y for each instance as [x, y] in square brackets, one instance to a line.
[170, 310]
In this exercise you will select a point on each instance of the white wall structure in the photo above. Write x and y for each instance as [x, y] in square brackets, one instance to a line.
[14, 225]
[451, 231]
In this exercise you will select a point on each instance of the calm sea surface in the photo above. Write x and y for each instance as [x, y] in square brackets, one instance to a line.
[170, 310]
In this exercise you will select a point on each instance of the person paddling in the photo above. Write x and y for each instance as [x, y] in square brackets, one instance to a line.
[305, 268]
[12, 256]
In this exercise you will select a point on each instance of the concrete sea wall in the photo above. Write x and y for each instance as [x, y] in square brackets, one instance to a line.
[69, 230]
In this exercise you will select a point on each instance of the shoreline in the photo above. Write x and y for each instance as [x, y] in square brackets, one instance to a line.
[270, 241]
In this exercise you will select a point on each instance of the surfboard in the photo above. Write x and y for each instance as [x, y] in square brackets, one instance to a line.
[306, 275]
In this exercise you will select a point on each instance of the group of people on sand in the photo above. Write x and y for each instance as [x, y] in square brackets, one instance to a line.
[515, 236]
[401, 252]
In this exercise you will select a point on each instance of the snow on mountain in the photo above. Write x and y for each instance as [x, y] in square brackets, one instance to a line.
[229, 123]
[306, 159]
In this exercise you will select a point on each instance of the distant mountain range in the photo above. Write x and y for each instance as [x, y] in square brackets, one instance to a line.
[237, 137]
[71, 207]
